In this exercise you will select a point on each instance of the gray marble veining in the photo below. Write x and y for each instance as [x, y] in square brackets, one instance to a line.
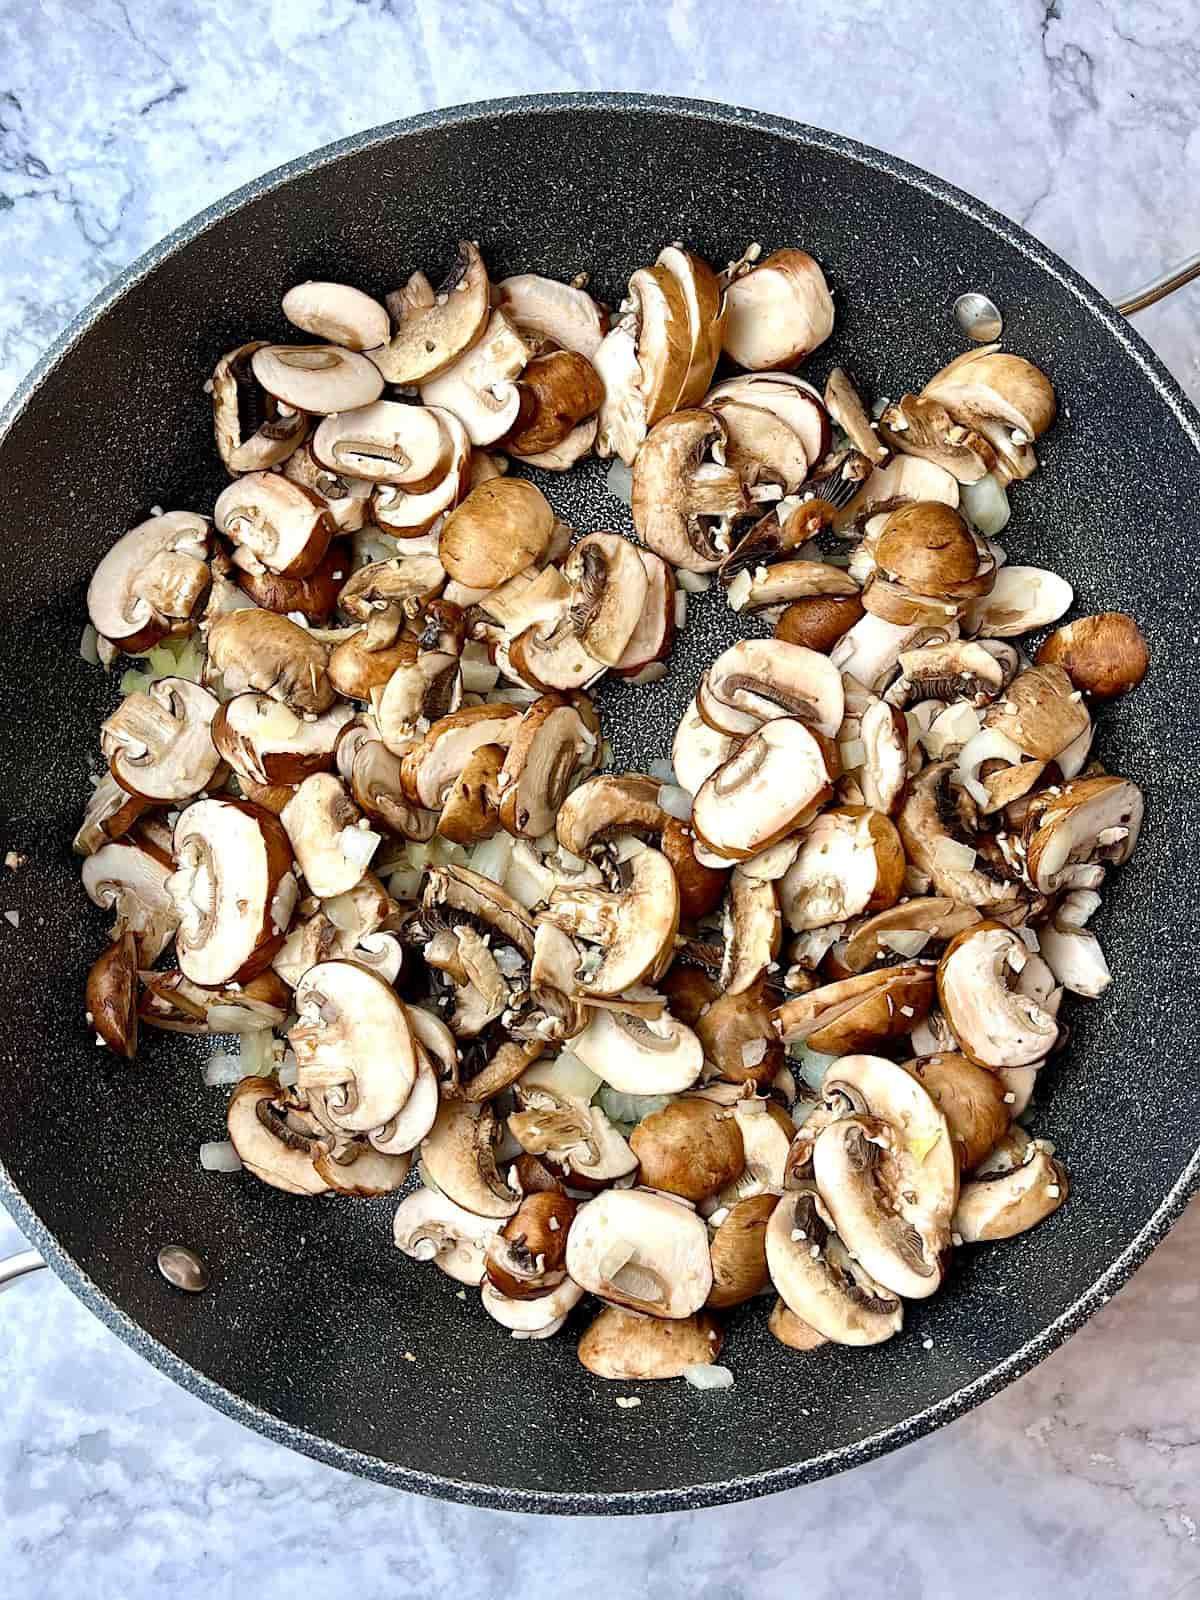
[1082, 120]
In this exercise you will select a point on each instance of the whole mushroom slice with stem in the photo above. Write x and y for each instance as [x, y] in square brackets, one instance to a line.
[430, 1226]
[527, 1257]
[643, 1251]
[234, 890]
[123, 877]
[413, 514]
[654, 630]
[267, 743]
[1072, 834]
[738, 1249]
[777, 311]
[1004, 397]
[552, 743]
[159, 745]
[856, 1013]
[630, 1348]
[538, 1318]
[377, 786]
[328, 834]
[684, 498]
[431, 767]
[758, 679]
[434, 328]
[950, 672]
[558, 391]
[275, 1137]
[501, 528]
[151, 581]
[385, 442]
[1104, 656]
[546, 312]
[692, 1148]
[850, 862]
[354, 1045]
[260, 650]
[772, 784]
[640, 1055]
[753, 931]
[995, 1025]
[629, 932]
[882, 772]
[317, 378]
[111, 996]
[338, 313]
[1020, 1185]
[954, 869]
[609, 591]
[480, 386]
[788, 399]
[608, 805]
[918, 425]
[817, 1278]
[1019, 600]
[761, 448]
[387, 594]
[273, 524]
[251, 429]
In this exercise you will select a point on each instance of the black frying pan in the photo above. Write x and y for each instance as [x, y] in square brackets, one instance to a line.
[303, 1331]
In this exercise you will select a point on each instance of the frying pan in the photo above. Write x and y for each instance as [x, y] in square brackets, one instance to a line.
[304, 1331]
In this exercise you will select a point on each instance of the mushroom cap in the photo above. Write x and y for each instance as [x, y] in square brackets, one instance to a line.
[527, 1256]
[557, 391]
[607, 805]
[1089, 820]
[160, 745]
[429, 1226]
[928, 547]
[432, 331]
[905, 929]
[758, 679]
[641, 1250]
[111, 996]
[736, 1034]
[1104, 656]
[255, 649]
[739, 1252]
[152, 578]
[691, 1148]
[636, 1349]
[551, 743]
[635, 926]
[764, 790]
[970, 1098]
[817, 1278]
[479, 387]
[640, 1055]
[265, 742]
[850, 862]
[855, 1013]
[898, 482]
[1009, 1195]
[337, 312]
[431, 767]
[233, 890]
[355, 668]
[354, 1043]
[995, 1025]
[778, 312]
[682, 499]
[502, 527]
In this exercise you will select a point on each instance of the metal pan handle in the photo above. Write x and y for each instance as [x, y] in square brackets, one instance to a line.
[18, 1267]
[1159, 288]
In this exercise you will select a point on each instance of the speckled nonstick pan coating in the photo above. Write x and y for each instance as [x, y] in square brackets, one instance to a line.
[304, 1330]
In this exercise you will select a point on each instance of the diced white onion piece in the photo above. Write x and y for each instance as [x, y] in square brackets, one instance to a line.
[220, 1156]
[421, 855]
[510, 962]
[629, 1109]
[627, 845]
[951, 728]
[619, 481]
[133, 682]
[662, 770]
[853, 753]
[226, 1018]
[705, 1375]
[277, 722]
[515, 695]
[810, 1064]
[985, 504]
[221, 1069]
[753, 1051]
[987, 745]
[404, 883]
[738, 591]
[953, 856]
[491, 857]
[427, 1177]
[566, 1077]
[89, 646]
[907, 942]
[358, 845]
[680, 609]
[693, 582]
[676, 802]
[258, 1052]
[478, 676]
[288, 1070]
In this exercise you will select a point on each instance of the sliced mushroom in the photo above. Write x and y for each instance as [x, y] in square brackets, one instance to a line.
[537, 1318]
[640, 1055]
[684, 499]
[314, 597]
[252, 430]
[274, 524]
[1104, 656]
[259, 650]
[109, 814]
[377, 786]
[500, 529]
[123, 877]
[429, 1226]
[791, 401]
[317, 378]
[698, 750]
[1020, 599]
[850, 862]
[1006, 398]
[957, 670]
[355, 669]
[753, 931]
[609, 591]
[386, 594]
[346, 500]
[111, 996]
[1072, 953]
[905, 930]
[777, 778]
[777, 312]
[757, 679]
[549, 746]
[817, 1278]
[953, 869]
[431, 767]
[409, 515]
[233, 890]
[608, 805]
[354, 1044]
[917, 425]
[528, 1255]
[622, 424]
[737, 1037]
[856, 1013]
[268, 744]
[151, 582]
[337, 312]
[558, 392]
[418, 693]
[970, 1098]
[633, 928]
[548, 312]
[459, 894]
[328, 834]
[641, 1250]
[175, 1003]
[626, 1346]
[275, 1138]
[1071, 834]
[899, 482]
[480, 387]
[159, 745]
[847, 410]
[995, 1025]
[760, 447]
[928, 548]
[434, 329]
[739, 1252]
[1040, 713]
[1011, 1193]
[385, 442]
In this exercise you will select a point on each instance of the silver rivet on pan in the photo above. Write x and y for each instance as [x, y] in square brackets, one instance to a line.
[978, 317]
[183, 1268]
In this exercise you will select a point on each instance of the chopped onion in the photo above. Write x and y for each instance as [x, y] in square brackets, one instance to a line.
[258, 1052]
[705, 1375]
[510, 962]
[738, 591]
[421, 855]
[448, 854]
[951, 728]
[853, 753]
[629, 1109]
[662, 770]
[905, 941]
[618, 480]
[692, 582]
[220, 1156]
[426, 1177]
[753, 1051]
[134, 682]
[288, 1070]
[566, 1077]
[490, 858]
[986, 504]
[478, 677]
[515, 695]
[404, 883]
[680, 609]
[89, 646]
[222, 1069]
[810, 1064]
[358, 845]
[953, 856]
[676, 802]
[228, 1018]
[653, 672]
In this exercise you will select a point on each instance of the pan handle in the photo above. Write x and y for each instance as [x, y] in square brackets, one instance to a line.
[19, 1266]
[1160, 288]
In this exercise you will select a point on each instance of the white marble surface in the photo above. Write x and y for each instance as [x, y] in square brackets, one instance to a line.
[119, 120]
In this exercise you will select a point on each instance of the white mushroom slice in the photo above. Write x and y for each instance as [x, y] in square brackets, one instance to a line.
[409, 515]
[122, 877]
[760, 447]
[757, 679]
[609, 589]
[851, 862]
[654, 630]
[683, 498]
[432, 766]
[995, 1025]
[640, 1055]
[551, 743]
[917, 425]
[433, 330]
[459, 1154]
[956, 670]
[233, 889]
[778, 312]
[275, 1140]
[556, 1121]
[698, 750]
[266, 743]
[787, 398]
[159, 745]
[1075, 957]
[537, 1318]
[551, 656]
[641, 1250]
[416, 1116]
[882, 775]
[480, 386]
[1021, 599]
[418, 692]
[337, 313]
[1003, 1199]
[870, 650]
[355, 1168]
[151, 580]
[753, 931]
[777, 777]
[385, 442]
[377, 784]
[558, 314]
[332, 844]
[622, 416]
[769, 865]
[317, 378]
[271, 434]
[819, 1281]
[353, 1043]
[260, 650]
[109, 814]
[900, 482]
[429, 1226]
[758, 587]
[1090, 821]
[569, 451]
[634, 927]
[767, 1134]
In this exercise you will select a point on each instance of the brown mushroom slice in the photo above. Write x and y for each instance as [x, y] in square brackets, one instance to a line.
[408, 515]
[738, 1249]
[151, 581]
[111, 996]
[471, 811]
[753, 931]
[899, 482]
[332, 844]
[385, 442]
[928, 548]
[252, 431]
[1040, 712]
[756, 797]
[528, 1255]
[906, 930]
[859, 1012]
[386, 594]
[1009, 1195]
[790, 400]
[159, 745]
[691, 1148]
[555, 1121]
[550, 744]
[404, 1132]
[639, 1055]
[338, 313]
[122, 877]
[109, 814]
[698, 750]
[819, 1281]
[434, 329]
[654, 630]
[1104, 656]
[275, 1139]
[558, 392]
[792, 1330]
[268, 744]
[346, 500]
[1088, 822]
[737, 1037]
[954, 671]
[314, 597]
[684, 498]
[260, 650]
[846, 408]
[995, 1025]
[918, 425]
[971, 1099]
[459, 1154]
[429, 1226]
[643, 1251]
[1009, 400]
[233, 890]
[317, 378]
[419, 692]
[625, 1346]
[175, 1003]
[548, 312]
[354, 1044]
[785, 582]
[870, 651]
[537, 1318]
[658, 305]
[432, 766]
[850, 862]
[633, 928]
[952, 868]
[501, 528]
[273, 523]
[376, 783]
[777, 312]
[609, 591]
[767, 1133]
[1020, 599]
[480, 387]
[757, 679]
[760, 447]
[570, 450]
[622, 416]
[355, 669]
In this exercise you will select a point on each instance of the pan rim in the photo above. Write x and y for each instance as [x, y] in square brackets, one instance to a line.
[771, 1480]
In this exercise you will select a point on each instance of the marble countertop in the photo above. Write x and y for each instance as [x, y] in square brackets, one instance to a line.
[118, 120]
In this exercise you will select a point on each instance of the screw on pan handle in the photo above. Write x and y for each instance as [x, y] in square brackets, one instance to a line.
[1160, 288]
[18, 1267]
